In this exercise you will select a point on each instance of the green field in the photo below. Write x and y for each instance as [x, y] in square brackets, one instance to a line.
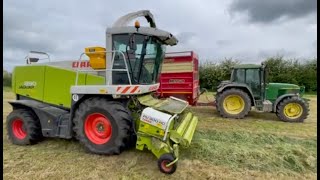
[258, 147]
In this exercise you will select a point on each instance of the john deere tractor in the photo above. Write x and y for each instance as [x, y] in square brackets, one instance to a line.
[248, 88]
[108, 105]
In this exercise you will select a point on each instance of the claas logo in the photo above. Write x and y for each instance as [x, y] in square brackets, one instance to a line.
[82, 64]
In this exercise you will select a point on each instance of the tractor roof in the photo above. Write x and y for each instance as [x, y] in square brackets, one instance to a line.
[121, 27]
[247, 66]
[165, 36]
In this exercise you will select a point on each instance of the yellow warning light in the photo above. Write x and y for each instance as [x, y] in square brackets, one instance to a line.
[137, 24]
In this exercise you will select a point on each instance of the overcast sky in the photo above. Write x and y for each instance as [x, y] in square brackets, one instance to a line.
[247, 30]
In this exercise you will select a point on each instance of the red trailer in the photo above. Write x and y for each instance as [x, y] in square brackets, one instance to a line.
[180, 76]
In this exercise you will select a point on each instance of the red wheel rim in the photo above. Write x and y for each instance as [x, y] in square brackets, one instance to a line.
[97, 128]
[18, 129]
[164, 165]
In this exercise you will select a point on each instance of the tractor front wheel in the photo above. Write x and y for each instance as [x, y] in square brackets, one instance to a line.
[23, 127]
[164, 160]
[233, 103]
[102, 126]
[292, 109]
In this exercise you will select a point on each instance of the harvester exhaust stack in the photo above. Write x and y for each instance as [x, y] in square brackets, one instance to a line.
[124, 20]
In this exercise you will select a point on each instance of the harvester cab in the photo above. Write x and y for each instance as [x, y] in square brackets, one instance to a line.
[248, 87]
[110, 105]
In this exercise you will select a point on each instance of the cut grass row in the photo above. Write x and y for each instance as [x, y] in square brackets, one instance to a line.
[263, 152]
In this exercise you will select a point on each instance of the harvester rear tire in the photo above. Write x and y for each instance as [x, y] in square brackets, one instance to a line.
[109, 131]
[233, 92]
[164, 160]
[23, 127]
[301, 104]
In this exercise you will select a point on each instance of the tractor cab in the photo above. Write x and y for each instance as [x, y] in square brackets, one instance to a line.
[144, 54]
[251, 75]
[133, 54]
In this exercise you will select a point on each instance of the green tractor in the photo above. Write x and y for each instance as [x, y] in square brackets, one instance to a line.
[248, 88]
[109, 105]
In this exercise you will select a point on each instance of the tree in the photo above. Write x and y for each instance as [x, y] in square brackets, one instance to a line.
[6, 78]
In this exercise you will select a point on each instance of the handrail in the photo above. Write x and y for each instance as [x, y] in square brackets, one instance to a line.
[106, 70]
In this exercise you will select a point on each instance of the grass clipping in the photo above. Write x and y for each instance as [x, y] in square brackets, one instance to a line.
[263, 152]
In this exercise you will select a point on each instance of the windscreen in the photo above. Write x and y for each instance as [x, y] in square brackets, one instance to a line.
[143, 61]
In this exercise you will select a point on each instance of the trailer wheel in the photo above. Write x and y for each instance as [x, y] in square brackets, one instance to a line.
[102, 126]
[293, 109]
[23, 127]
[233, 103]
[164, 160]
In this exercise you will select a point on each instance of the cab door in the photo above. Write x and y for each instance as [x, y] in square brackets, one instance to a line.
[253, 80]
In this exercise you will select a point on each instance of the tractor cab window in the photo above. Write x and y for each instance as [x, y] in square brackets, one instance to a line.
[144, 61]
[250, 77]
[238, 76]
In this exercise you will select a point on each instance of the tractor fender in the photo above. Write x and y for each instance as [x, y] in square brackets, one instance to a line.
[50, 116]
[31, 104]
[241, 86]
[279, 99]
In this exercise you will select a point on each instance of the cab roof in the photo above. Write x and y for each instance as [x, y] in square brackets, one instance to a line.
[247, 66]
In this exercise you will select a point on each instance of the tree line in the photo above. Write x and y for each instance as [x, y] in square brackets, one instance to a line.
[279, 70]
[6, 79]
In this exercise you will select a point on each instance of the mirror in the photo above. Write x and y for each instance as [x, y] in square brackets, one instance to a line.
[132, 43]
[34, 59]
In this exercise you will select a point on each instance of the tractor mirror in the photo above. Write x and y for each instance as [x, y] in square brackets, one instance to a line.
[33, 59]
[132, 43]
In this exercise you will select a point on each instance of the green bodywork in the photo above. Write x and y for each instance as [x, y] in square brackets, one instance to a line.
[275, 90]
[49, 84]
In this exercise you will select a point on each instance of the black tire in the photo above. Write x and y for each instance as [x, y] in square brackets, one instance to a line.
[23, 127]
[215, 101]
[281, 114]
[119, 121]
[164, 160]
[221, 97]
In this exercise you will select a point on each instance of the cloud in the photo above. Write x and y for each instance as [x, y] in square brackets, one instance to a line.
[271, 10]
[263, 54]
[185, 37]
[223, 42]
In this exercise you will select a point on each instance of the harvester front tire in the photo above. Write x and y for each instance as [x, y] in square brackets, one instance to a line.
[237, 94]
[292, 109]
[102, 126]
[23, 127]
[164, 160]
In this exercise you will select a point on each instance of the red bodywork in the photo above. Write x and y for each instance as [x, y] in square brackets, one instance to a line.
[180, 76]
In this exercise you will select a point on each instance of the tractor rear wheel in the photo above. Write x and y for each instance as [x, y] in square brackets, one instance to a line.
[23, 127]
[233, 103]
[292, 109]
[102, 126]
